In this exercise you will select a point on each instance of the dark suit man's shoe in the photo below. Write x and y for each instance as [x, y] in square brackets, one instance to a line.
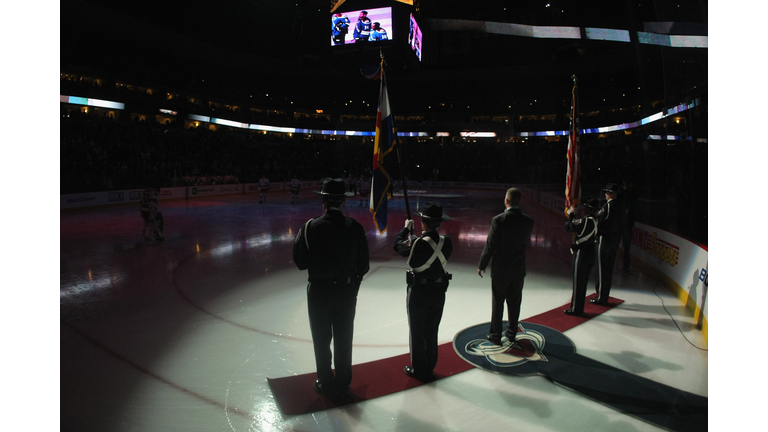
[516, 346]
[409, 371]
[412, 373]
[597, 302]
[493, 340]
[570, 312]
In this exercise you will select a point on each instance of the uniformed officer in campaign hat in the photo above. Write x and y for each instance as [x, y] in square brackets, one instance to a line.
[427, 282]
[334, 250]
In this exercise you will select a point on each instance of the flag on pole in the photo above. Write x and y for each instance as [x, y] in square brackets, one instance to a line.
[383, 145]
[372, 72]
[573, 176]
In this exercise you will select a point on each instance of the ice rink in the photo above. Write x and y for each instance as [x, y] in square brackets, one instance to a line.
[182, 335]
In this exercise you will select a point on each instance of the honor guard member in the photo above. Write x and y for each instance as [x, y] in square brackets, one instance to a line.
[628, 200]
[363, 28]
[153, 219]
[505, 250]
[334, 250]
[609, 225]
[295, 187]
[427, 282]
[263, 188]
[583, 251]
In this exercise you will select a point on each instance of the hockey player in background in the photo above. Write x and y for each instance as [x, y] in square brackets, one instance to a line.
[263, 188]
[295, 188]
[339, 28]
[378, 33]
[362, 31]
[153, 219]
[365, 189]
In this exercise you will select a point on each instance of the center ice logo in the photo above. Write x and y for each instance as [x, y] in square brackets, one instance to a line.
[528, 348]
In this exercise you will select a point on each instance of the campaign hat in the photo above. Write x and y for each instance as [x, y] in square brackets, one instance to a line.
[591, 203]
[612, 188]
[433, 211]
[334, 188]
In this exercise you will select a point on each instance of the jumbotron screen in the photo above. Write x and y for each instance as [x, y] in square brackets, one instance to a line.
[364, 27]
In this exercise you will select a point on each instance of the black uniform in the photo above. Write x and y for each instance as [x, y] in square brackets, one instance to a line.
[583, 250]
[362, 29]
[426, 296]
[334, 249]
[628, 200]
[609, 225]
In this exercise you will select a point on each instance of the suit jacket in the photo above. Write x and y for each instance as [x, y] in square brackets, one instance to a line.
[510, 232]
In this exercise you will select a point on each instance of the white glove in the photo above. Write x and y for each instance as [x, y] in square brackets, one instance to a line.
[409, 224]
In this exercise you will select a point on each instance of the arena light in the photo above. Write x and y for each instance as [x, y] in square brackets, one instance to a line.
[76, 100]
[199, 118]
[675, 41]
[689, 41]
[478, 134]
[607, 34]
[624, 126]
[557, 32]
[669, 138]
[271, 128]
[551, 32]
[229, 123]
[509, 29]
[106, 104]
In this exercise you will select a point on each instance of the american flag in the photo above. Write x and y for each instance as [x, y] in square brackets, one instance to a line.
[573, 177]
[372, 72]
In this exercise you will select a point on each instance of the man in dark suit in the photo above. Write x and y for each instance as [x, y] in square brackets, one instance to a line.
[334, 249]
[509, 235]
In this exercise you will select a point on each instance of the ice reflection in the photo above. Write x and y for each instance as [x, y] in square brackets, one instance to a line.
[266, 240]
[541, 240]
[473, 237]
[92, 285]
[267, 418]
[256, 242]
[224, 250]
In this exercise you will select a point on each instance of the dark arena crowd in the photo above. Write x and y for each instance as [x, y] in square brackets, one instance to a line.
[104, 150]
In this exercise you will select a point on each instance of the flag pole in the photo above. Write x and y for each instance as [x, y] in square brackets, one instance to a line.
[573, 174]
[397, 148]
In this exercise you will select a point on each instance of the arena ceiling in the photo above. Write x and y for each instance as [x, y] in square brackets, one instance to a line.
[241, 47]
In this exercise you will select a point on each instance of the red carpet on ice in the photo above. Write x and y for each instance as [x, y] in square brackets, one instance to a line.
[295, 394]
